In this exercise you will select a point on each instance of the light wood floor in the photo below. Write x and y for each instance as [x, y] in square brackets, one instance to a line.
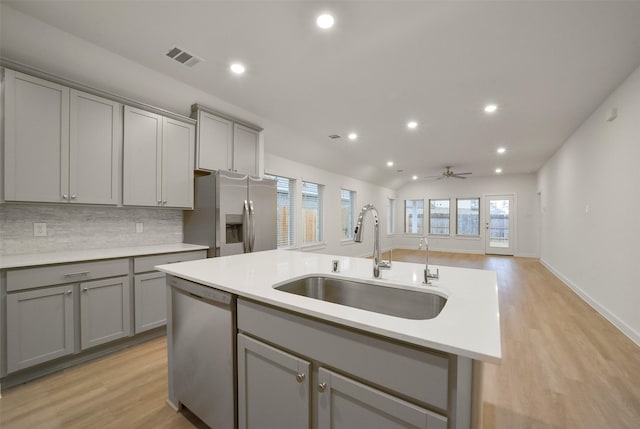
[563, 366]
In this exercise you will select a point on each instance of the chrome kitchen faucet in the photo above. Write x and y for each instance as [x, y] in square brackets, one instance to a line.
[357, 237]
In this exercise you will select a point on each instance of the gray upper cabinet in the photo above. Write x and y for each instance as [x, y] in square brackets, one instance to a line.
[95, 141]
[61, 145]
[214, 142]
[36, 143]
[222, 144]
[158, 160]
[245, 149]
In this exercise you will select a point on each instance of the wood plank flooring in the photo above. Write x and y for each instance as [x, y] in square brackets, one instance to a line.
[563, 366]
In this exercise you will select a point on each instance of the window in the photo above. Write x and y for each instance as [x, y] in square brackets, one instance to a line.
[311, 212]
[439, 217]
[391, 217]
[468, 216]
[413, 216]
[347, 213]
[285, 215]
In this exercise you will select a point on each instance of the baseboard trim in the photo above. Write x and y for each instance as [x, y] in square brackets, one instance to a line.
[435, 249]
[612, 318]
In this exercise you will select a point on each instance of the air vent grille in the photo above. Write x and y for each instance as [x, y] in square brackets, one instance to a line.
[184, 57]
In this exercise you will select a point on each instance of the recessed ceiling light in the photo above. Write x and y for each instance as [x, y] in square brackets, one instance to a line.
[389, 163]
[490, 108]
[498, 170]
[237, 68]
[501, 150]
[352, 136]
[325, 21]
[412, 124]
[414, 177]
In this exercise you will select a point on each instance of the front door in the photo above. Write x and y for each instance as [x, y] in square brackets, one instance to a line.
[499, 231]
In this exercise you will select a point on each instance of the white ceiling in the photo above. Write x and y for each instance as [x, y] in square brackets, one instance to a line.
[546, 64]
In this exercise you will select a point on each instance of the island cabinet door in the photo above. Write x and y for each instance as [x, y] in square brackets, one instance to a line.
[273, 387]
[344, 403]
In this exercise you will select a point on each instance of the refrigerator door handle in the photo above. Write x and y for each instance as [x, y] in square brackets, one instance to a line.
[245, 227]
[252, 224]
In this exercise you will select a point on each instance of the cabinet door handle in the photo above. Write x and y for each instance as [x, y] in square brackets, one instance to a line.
[300, 377]
[69, 292]
[85, 289]
[65, 196]
[79, 273]
[322, 387]
[159, 202]
[73, 197]
[164, 202]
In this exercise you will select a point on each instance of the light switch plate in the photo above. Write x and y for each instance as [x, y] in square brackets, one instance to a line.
[39, 229]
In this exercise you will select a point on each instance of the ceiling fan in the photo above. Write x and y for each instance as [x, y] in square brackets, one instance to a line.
[448, 172]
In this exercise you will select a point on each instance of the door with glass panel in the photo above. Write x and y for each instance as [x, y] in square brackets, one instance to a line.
[499, 224]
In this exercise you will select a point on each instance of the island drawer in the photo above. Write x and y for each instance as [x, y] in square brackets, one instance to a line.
[406, 370]
[28, 278]
[143, 264]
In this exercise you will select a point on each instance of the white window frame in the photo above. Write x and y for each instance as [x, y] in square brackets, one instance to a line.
[421, 232]
[440, 234]
[391, 216]
[292, 212]
[458, 234]
[320, 217]
[351, 215]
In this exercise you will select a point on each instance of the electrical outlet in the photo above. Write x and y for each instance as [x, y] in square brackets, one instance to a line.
[39, 229]
[139, 227]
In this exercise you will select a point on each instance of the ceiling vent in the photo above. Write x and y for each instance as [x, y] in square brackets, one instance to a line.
[184, 57]
[335, 136]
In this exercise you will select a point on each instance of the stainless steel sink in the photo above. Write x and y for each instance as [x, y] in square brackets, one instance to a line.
[407, 304]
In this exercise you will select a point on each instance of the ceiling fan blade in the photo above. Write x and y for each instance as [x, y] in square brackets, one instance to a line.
[463, 174]
[458, 177]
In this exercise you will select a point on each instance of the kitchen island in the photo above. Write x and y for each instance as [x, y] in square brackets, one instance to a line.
[364, 366]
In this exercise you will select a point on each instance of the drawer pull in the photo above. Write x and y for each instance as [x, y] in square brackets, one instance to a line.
[300, 377]
[322, 387]
[69, 292]
[85, 290]
[78, 274]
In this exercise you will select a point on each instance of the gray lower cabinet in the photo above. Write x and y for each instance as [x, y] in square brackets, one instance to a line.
[150, 299]
[105, 311]
[355, 379]
[273, 387]
[344, 403]
[150, 288]
[39, 326]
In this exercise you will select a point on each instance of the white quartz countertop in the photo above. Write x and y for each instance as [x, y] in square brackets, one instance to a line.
[469, 324]
[33, 259]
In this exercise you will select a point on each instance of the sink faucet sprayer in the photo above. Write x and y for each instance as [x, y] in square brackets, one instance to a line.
[357, 237]
[427, 273]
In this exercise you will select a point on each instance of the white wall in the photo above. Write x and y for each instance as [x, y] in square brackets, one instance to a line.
[522, 186]
[596, 251]
[365, 193]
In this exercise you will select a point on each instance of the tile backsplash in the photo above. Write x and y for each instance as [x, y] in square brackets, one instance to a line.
[71, 227]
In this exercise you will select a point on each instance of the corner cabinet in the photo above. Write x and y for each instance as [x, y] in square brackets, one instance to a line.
[158, 160]
[224, 144]
[60, 145]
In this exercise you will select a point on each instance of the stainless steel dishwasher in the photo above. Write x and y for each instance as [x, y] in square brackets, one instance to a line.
[202, 348]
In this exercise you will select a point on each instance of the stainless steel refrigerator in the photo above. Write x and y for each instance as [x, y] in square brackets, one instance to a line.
[233, 213]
